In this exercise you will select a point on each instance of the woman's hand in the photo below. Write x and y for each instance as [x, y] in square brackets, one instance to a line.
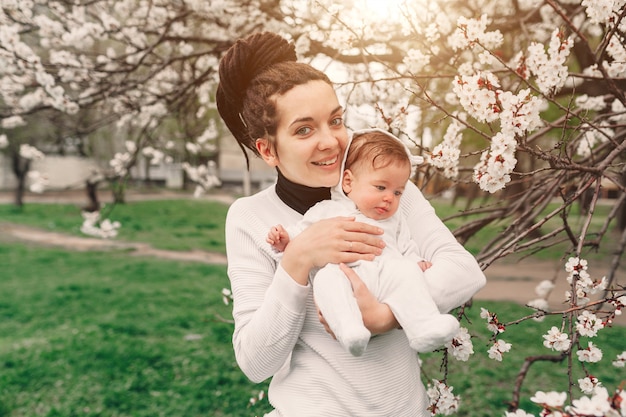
[336, 240]
[377, 317]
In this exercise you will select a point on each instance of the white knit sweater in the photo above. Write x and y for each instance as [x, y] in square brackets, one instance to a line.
[278, 334]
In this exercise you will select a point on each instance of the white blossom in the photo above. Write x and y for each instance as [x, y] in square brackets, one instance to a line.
[493, 171]
[549, 399]
[259, 397]
[517, 413]
[120, 163]
[492, 321]
[592, 137]
[544, 288]
[477, 94]
[549, 67]
[601, 11]
[204, 175]
[556, 340]
[415, 60]
[589, 354]
[497, 349]
[620, 361]
[156, 156]
[540, 304]
[618, 112]
[588, 384]
[591, 103]
[12, 122]
[598, 405]
[471, 32]
[193, 148]
[30, 152]
[461, 346]
[38, 181]
[227, 296]
[446, 154]
[441, 399]
[94, 226]
[588, 324]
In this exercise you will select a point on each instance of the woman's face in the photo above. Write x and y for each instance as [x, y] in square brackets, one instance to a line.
[310, 137]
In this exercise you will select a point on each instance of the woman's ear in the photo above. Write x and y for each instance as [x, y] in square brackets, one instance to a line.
[266, 151]
[346, 181]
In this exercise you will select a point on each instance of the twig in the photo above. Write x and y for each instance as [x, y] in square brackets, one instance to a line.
[521, 376]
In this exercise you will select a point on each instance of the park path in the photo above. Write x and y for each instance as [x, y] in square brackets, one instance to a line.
[506, 281]
[84, 243]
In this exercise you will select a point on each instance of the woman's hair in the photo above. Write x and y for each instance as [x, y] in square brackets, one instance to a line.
[253, 72]
[377, 148]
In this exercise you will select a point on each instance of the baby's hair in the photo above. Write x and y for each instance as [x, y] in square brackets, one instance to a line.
[377, 148]
[253, 72]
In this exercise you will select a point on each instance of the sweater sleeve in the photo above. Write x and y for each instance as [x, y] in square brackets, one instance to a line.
[455, 275]
[268, 305]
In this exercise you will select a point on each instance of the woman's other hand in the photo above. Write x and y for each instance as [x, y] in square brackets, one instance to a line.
[377, 316]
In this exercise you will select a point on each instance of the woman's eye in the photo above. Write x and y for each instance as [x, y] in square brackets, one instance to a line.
[303, 131]
[338, 121]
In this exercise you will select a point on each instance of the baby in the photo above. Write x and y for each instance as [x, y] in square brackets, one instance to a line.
[377, 167]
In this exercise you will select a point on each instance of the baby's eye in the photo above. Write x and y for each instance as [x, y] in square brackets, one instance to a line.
[380, 187]
[398, 193]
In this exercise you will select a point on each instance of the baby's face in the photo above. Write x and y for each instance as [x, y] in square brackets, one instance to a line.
[376, 192]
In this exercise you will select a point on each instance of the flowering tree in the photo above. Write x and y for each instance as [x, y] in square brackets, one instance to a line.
[528, 98]
[132, 65]
[519, 100]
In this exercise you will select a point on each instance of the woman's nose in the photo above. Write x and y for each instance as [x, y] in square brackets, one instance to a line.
[327, 139]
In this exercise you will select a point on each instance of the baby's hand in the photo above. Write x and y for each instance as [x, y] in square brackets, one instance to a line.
[278, 238]
[424, 265]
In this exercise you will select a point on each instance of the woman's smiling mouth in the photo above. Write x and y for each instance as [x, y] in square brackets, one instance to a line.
[326, 163]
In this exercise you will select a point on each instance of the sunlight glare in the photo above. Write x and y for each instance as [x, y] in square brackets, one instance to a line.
[383, 8]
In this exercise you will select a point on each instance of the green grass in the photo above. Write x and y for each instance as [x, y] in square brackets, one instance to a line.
[108, 334]
[105, 334]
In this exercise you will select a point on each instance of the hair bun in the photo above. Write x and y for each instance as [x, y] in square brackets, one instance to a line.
[243, 61]
[247, 58]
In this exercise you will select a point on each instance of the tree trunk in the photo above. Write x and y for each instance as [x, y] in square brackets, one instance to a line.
[118, 188]
[20, 166]
[92, 195]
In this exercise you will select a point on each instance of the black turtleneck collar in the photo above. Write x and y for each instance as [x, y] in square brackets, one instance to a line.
[299, 197]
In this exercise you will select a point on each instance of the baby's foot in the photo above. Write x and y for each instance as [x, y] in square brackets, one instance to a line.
[434, 332]
[355, 341]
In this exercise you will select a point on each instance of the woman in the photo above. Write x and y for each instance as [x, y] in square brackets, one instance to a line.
[288, 114]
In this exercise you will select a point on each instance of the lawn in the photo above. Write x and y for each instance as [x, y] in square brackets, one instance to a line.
[107, 334]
